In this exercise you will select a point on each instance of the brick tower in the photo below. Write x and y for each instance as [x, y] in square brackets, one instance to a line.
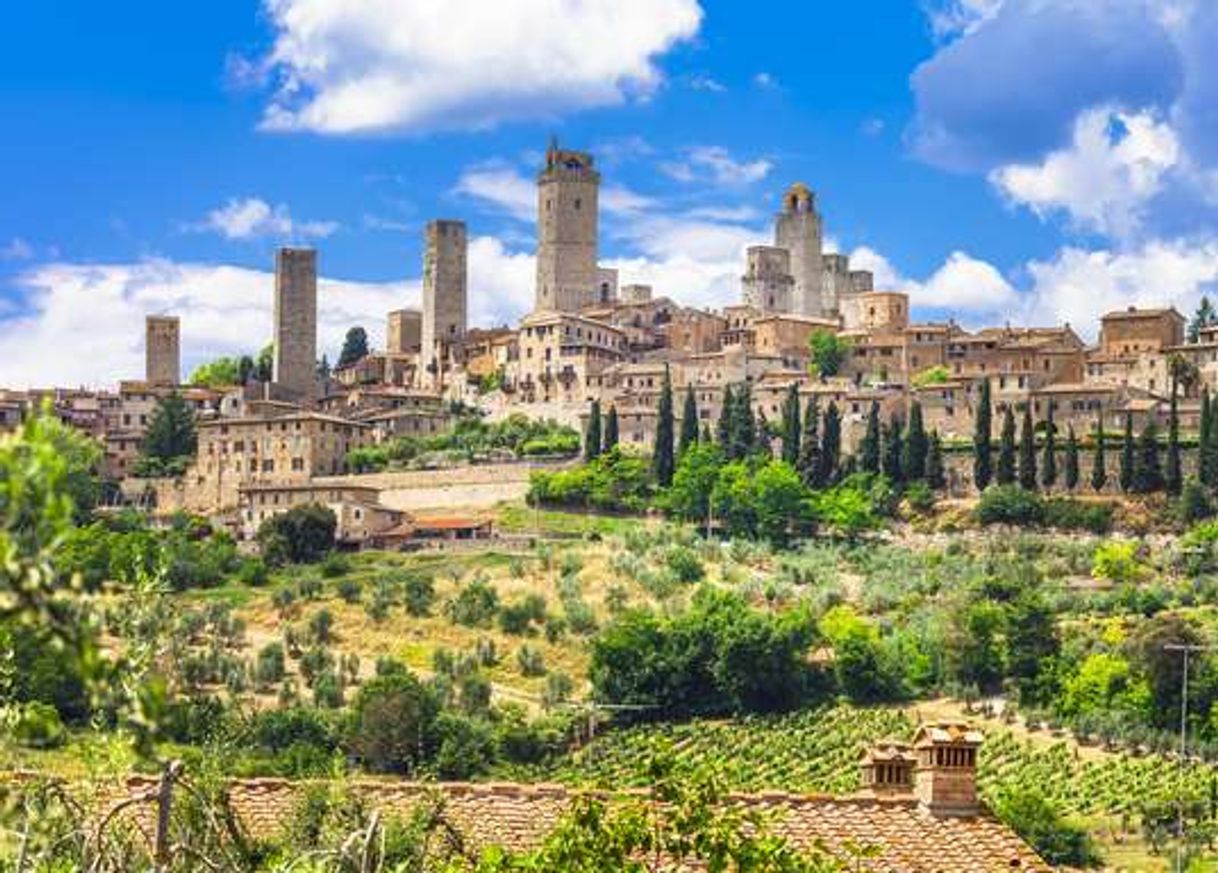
[295, 366]
[567, 191]
[798, 229]
[162, 350]
[444, 297]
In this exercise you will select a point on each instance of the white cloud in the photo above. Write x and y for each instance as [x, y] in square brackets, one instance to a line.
[251, 218]
[1105, 179]
[507, 189]
[951, 18]
[417, 65]
[961, 284]
[704, 82]
[715, 164]
[765, 80]
[16, 249]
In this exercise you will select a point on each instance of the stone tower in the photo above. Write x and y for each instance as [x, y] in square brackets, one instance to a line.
[403, 329]
[767, 282]
[567, 191]
[162, 350]
[798, 229]
[295, 367]
[444, 297]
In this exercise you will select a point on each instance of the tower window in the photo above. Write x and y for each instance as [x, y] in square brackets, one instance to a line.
[577, 203]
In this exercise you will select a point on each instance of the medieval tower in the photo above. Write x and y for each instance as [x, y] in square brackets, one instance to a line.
[295, 367]
[798, 229]
[162, 350]
[567, 278]
[767, 280]
[444, 297]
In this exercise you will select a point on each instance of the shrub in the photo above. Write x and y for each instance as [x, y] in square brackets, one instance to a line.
[684, 564]
[269, 667]
[530, 661]
[1010, 504]
[38, 726]
[420, 594]
[557, 691]
[328, 690]
[1194, 503]
[303, 534]
[253, 572]
[350, 590]
[1117, 561]
[920, 498]
[321, 626]
[518, 618]
[466, 747]
[1067, 514]
[335, 565]
[475, 605]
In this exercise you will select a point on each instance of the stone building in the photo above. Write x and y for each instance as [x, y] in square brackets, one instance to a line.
[403, 331]
[767, 282]
[445, 293]
[295, 362]
[567, 192]
[162, 350]
[1127, 332]
[798, 230]
[559, 353]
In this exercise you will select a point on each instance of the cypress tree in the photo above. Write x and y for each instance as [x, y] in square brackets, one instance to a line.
[830, 447]
[1071, 471]
[935, 476]
[592, 435]
[744, 425]
[913, 458]
[662, 461]
[892, 451]
[1172, 477]
[1099, 472]
[1210, 455]
[609, 443]
[869, 450]
[982, 461]
[809, 444]
[1127, 454]
[791, 426]
[706, 434]
[1004, 474]
[1147, 471]
[762, 446]
[1048, 466]
[724, 428]
[689, 421]
[1027, 450]
[1205, 467]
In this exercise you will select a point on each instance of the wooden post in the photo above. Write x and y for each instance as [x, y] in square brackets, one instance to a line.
[164, 806]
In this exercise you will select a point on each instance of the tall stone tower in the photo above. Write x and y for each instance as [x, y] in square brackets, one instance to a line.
[767, 282]
[567, 191]
[798, 229]
[295, 366]
[162, 350]
[444, 297]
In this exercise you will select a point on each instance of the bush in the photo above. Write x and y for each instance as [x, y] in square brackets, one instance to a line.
[684, 564]
[518, 618]
[393, 723]
[1056, 840]
[475, 605]
[466, 747]
[253, 572]
[38, 726]
[269, 667]
[420, 593]
[335, 565]
[1010, 504]
[321, 626]
[530, 661]
[614, 481]
[920, 497]
[302, 535]
[350, 590]
[1117, 561]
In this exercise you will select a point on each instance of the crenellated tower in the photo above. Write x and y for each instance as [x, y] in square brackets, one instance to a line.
[798, 229]
[567, 194]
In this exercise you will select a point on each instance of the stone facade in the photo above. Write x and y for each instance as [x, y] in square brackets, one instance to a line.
[798, 230]
[567, 196]
[445, 302]
[403, 331]
[767, 283]
[295, 362]
[162, 350]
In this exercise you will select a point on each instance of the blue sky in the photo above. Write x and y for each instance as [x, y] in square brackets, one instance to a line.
[1031, 160]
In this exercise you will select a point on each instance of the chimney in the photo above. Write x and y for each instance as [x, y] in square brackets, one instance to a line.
[945, 779]
[888, 769]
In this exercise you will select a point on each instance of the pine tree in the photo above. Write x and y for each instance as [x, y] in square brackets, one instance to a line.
[662, 462]
[1203, 317]
[935, 476]
[1127, 454]
[355, 347]
[1071, 471]
[1027, 450]
[830, 447]
[1099, 472]
[913, 458]
[1004, 474]
[723, 429]
[171, 430]
[1147, 471]
[592, 434]
[609, 443]
[1205, 465]
[791, 425]
[982, 460]
[689, 421]
[744, 425]
[1048, 465]
[809, 443]
[869, 449]
[892, 451]
[1173, 479]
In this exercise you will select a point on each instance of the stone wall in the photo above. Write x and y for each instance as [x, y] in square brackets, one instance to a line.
[295, 361]
[162, 350]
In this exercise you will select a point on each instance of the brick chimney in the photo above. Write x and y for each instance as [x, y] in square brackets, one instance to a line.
[888, 768]
[945, 778]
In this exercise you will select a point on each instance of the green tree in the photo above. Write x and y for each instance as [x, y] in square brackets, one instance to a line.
[689, 421]
[828, 352]
[936, 477]
[1147, 470]
[762, 438]
[1048, 467]
[1027, 450]
[689, 498]
[324, 370]
[1206, 468]
[1004, 473]
[171, 432]
[592, 433]
[913, 459]
[264, 365]
[744, 425]
[1203, 317]
[893, 451]
[1128, 454]
[393, 723]
[611, 436]
[220, 372]
[791, 426]
[1173, 478]
[779, 500]
[809, 446]
[1209, 451]
[662, 462]
[982, 437]
[1071, 471]
[830, 447]
[1059, 842]
[869, 449]
[302, 535]
[724, 427]
[355, 347]
[1099, 472]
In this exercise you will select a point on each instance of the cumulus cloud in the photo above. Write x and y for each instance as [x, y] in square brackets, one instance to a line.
[507, 189]
[963, 285]
[715, 164]
[253, 218]
[419, 65]
[951, 18]
[1104, 180]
